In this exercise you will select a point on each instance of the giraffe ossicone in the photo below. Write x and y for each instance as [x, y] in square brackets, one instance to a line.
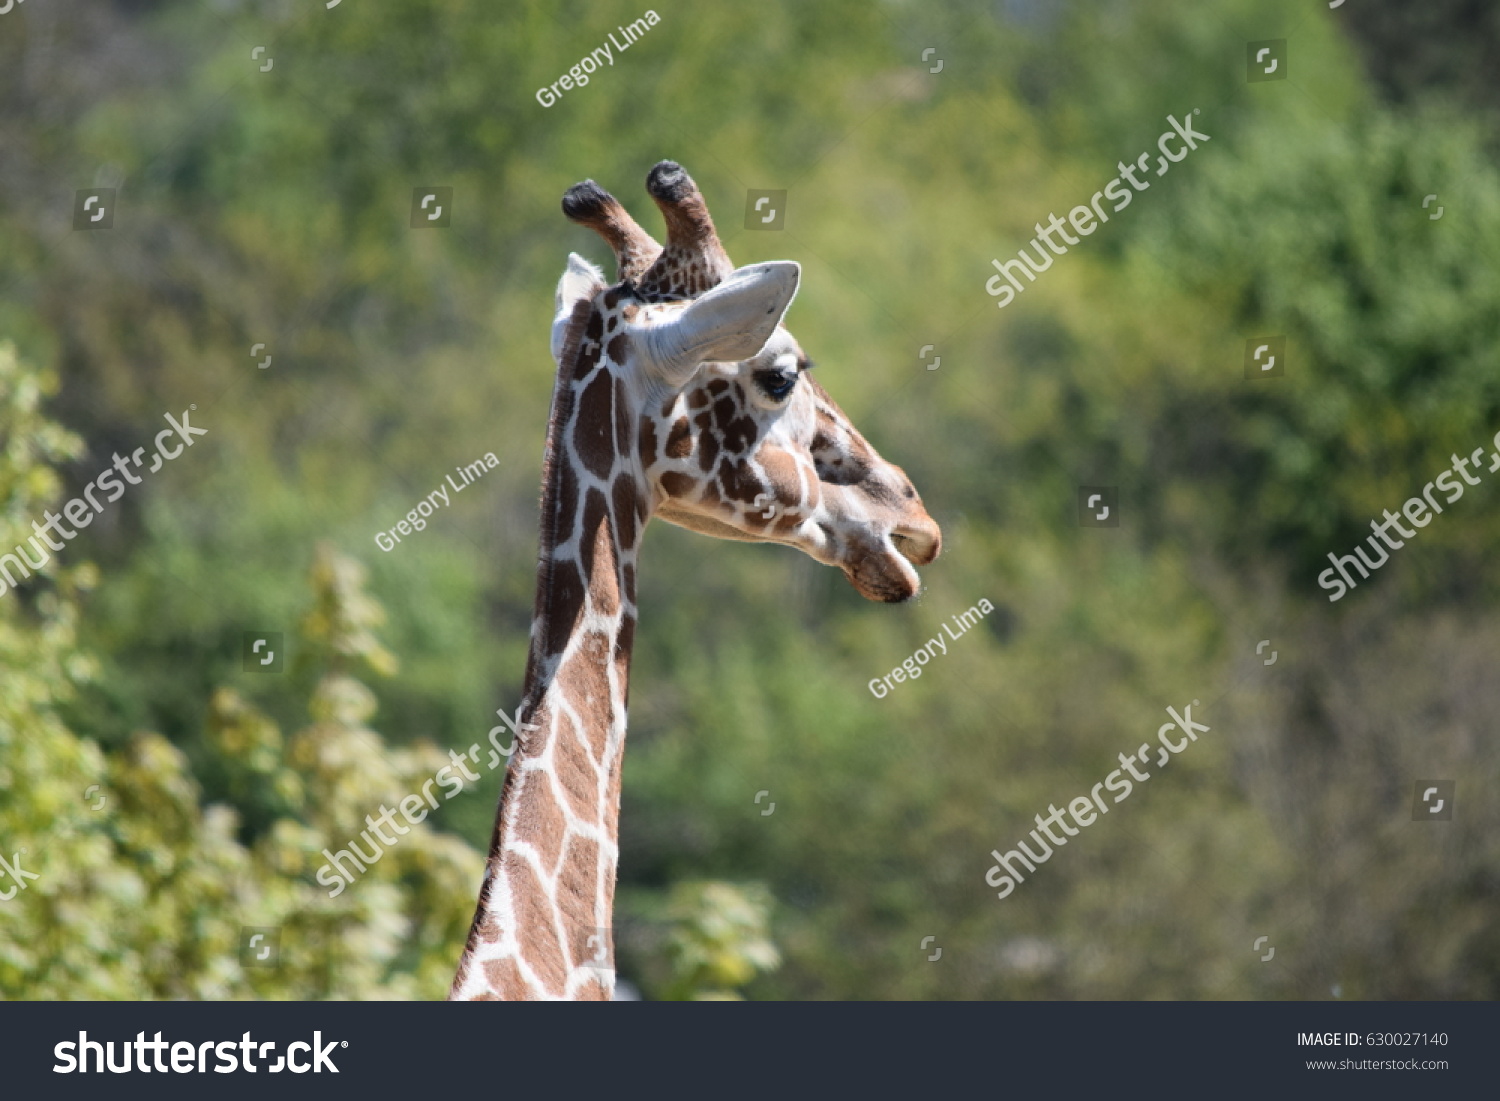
[681, 395]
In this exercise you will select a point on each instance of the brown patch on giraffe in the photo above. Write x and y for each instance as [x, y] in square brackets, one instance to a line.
[718, 387]
[504, 975]
[592, 333]
[677, 485]
[622, 417]
[543, 951]
[648, 441]
[696, 400]
[781, 476]
[679, 440]
[541, 821]
[576, 887]
[594, 534]
[618, 348]
[564, 604]
[708, 451]
[572, 765]
[622, 497]
[740, 434]
[585, 683]
[704, 422]
[592, 989]
[611, 298]
[593, 427]
[724, 411]
[604, 582]
[738, 480]
[782, 481]
[488, 930]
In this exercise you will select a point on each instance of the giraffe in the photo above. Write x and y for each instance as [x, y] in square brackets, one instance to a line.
[679, 394]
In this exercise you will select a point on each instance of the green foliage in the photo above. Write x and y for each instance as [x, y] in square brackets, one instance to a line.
[718, 940]
[142, 889]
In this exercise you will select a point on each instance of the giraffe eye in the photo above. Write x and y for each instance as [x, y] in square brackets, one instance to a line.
[776, 384]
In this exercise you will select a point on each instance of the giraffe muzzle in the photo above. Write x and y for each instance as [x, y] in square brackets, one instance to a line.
[885, 572]
[919, 542]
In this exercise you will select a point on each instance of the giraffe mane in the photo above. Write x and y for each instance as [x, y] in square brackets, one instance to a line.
[562, 410]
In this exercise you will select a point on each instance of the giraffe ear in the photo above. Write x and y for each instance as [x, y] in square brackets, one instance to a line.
[730, 323]
[580, 280]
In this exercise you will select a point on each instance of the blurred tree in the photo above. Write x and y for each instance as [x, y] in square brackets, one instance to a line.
[718, 940]
[141, 891]
[1438, 46]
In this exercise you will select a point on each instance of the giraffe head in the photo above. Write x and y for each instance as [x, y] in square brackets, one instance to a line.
[728, 433]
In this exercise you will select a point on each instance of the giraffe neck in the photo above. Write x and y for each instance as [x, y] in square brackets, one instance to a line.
[542, 928]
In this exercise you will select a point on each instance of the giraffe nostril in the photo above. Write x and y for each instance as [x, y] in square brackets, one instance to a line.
[919, 543]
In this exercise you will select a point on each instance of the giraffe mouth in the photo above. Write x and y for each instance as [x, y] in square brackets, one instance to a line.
[887, 574]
